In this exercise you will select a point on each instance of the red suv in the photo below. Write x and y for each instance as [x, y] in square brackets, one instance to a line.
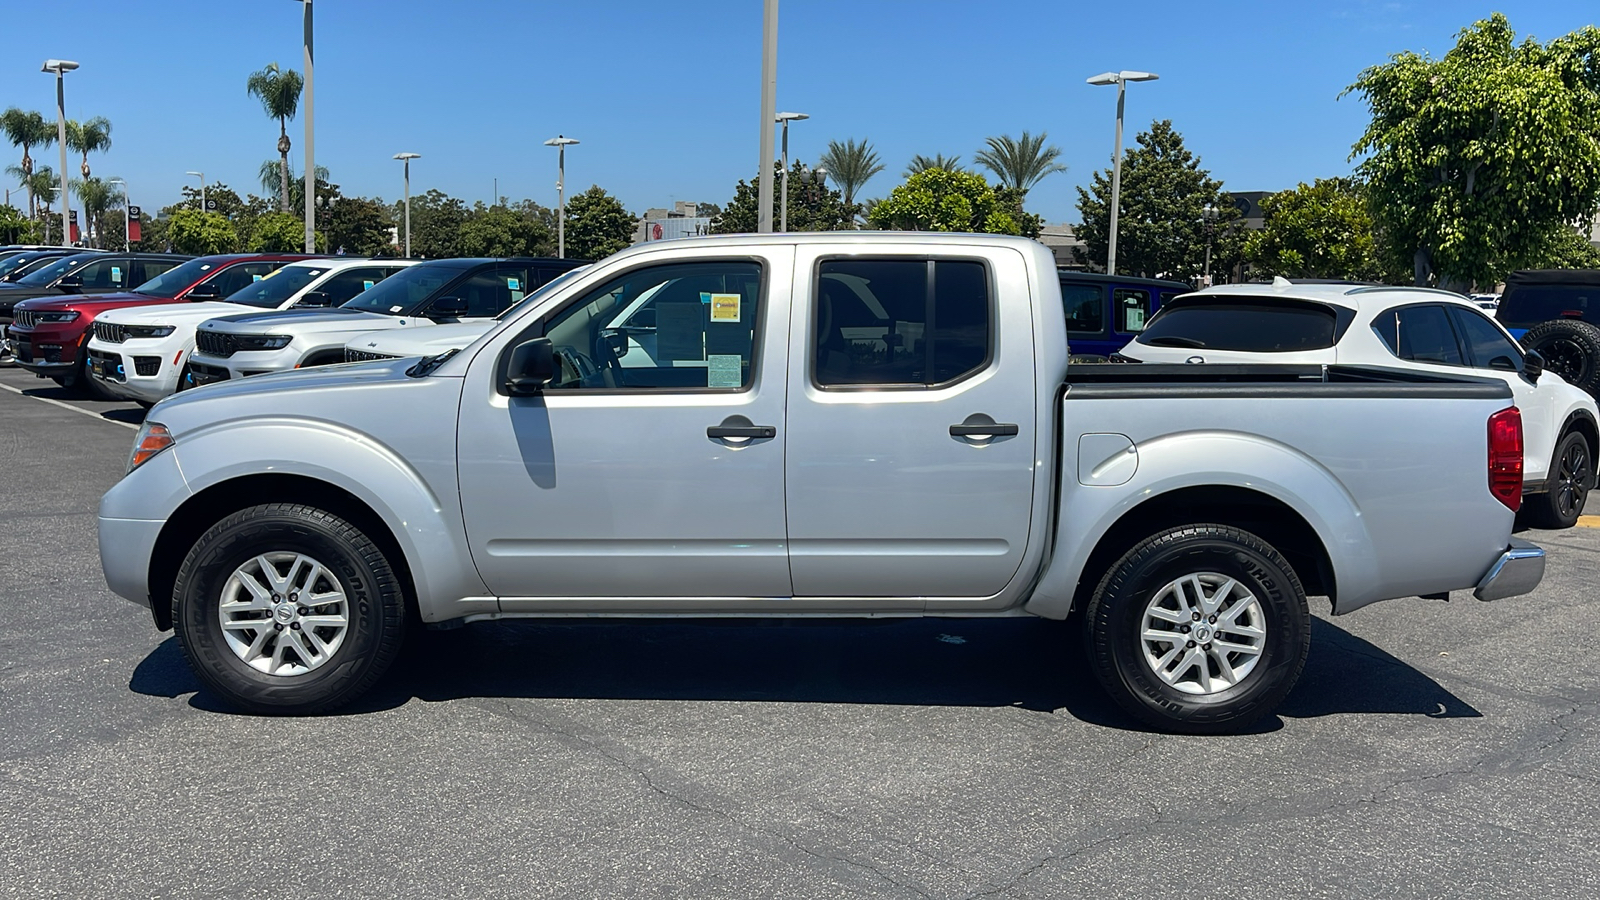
[49, 334]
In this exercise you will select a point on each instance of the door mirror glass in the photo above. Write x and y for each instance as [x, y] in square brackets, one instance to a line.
[1532, 364]
[315, 299]
[532, 365]
[452, 307]
[205, 291]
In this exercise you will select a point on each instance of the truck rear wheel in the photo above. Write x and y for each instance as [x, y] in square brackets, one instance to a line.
[287, 609]
[1200, 629]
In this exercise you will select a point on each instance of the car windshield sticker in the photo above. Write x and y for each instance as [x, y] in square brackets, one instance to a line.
[255, 278]
[366, 283]
[724, 307]
[116, 274]
[680, 331]
[396, 308]
[516, 296]
[723, 370]
[514, 284]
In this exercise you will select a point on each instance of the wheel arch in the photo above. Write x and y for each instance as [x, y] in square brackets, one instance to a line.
[214, 503]
[1583, 422]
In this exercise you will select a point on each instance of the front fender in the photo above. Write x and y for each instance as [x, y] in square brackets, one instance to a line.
[1211, 459]
[418, 503]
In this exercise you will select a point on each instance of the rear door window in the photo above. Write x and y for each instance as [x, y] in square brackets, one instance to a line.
[1242, 325]
[904, 322]
[1419, 334]
[1085, 307]
[1132, 309]
[151, 268]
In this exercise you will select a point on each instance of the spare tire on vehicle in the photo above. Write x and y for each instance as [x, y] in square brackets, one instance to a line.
[1571, 349]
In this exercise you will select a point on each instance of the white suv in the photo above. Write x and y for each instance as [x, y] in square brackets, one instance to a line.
[1414, 328]
[142, 353]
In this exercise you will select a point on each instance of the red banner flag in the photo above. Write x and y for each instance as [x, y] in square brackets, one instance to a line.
[133, 230]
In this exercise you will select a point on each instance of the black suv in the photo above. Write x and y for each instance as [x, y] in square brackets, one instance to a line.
[1556, 313]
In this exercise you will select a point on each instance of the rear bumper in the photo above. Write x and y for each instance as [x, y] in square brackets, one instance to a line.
[1518, 571]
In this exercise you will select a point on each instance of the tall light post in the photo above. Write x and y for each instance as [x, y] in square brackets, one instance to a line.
[311, 165]
[1120, 79]
[127, 245]
[407, 158]
[769, 108]
[61, 67]
[1209, 216]
[786, 118]
[560, 142]
[202, 177]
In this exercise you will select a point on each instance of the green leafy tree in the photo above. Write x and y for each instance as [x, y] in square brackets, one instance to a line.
[597, 225]
[813, 206]
[504, 231]
[361, 227]
[1320, 230]
[279, 93]
[1474, 160]
[1161, 229]
[942, 200]
[16, 228]
[920, 164]
[270, 176]
[851, 165]
[201, 233]
[277, 232]
[27, 129]
[1563, 248]
[707, 210]
[436, 220]
[93, 136]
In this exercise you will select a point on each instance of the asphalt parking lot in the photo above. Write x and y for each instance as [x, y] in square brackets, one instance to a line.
[1431, 749]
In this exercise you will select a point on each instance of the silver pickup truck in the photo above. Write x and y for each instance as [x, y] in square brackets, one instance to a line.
[811, 425]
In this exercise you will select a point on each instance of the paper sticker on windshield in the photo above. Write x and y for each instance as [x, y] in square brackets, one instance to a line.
[395, 309]
[724, 307]
[516, 296]
[514, 284]
[116, 273]
[724, 370]
[255, 278]
[367, 283]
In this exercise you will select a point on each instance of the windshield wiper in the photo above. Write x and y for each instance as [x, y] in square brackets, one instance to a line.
[429, 363]
[1172, 340]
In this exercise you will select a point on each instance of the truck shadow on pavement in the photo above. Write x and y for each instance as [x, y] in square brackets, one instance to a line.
[1025, 663]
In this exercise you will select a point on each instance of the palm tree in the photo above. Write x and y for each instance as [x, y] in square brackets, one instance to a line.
[279, 91]
[1020, 164]
[43, 186]
[271, 175]
[920, 163]
[97, 196]
[27, 129]
[89, 137]
[852, 165]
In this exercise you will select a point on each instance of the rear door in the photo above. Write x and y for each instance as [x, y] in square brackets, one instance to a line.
[911, 434]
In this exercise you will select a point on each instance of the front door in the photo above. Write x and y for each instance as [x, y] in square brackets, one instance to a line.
[911, 436]
[652, 466]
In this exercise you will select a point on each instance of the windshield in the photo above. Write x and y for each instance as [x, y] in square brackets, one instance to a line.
[170, 282]
[403, 293]
[275, 288]
[49, 273]
[17, 261]
[541, 293]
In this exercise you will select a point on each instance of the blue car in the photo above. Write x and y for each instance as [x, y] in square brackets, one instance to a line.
[1105, 312]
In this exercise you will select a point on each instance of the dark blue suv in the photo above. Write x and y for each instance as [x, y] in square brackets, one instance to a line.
[1105, 312]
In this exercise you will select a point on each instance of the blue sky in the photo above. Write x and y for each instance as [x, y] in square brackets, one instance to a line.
[664, 95]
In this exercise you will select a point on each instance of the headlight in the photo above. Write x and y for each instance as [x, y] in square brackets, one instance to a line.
[63, 316]
[150, 331]
[153, 437]
[262, 341]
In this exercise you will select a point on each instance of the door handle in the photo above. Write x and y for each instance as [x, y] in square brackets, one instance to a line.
[742, 431]
[994, 430]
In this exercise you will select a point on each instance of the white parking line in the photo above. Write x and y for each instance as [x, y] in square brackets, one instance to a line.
[87, 412]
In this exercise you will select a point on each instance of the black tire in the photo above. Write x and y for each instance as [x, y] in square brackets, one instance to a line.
[375, 603]
[84, 385]
[1572, 477]
[1571, 349]
[184, 374]
[1114, 628]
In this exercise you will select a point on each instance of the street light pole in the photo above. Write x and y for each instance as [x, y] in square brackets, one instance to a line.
[560, 142]
[61, 67]
[786, 118]
[127, 245]
[311, 167]
[407, 158]
[1120, 79]
[202, 177]
[769, 109]
[1209, 214]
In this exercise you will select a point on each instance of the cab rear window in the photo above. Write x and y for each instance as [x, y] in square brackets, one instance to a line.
[1529, 304]
[1231, 324]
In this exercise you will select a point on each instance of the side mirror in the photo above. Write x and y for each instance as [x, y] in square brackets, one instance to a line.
[314, 299]
[70, 282]
[533, 364]
[205, 291]
[1532, 365]
[451, 307]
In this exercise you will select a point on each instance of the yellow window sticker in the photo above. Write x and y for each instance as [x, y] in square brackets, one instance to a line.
[724, 307]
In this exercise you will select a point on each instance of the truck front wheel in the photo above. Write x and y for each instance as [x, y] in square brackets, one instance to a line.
[287, 609]
[1200, 629]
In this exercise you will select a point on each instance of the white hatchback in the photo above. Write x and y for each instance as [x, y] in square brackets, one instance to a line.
[1415, 328]
[141, 352]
